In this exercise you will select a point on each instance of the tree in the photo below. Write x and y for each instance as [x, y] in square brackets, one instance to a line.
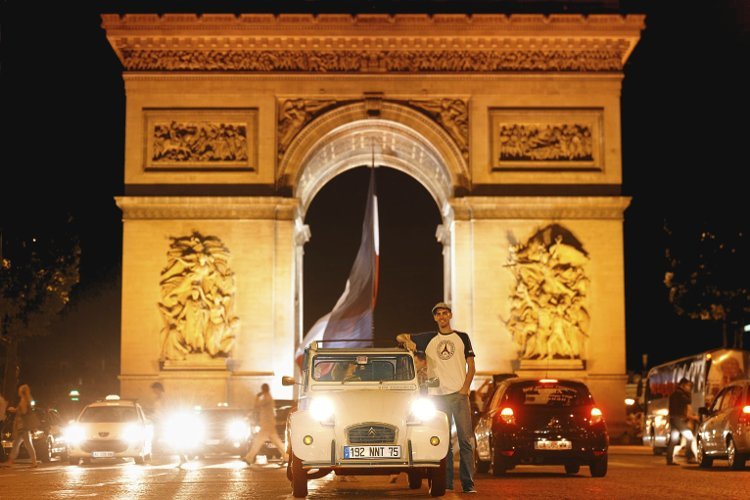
[37, 273]
[707, 275]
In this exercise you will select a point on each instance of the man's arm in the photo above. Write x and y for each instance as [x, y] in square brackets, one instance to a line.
[469, 376]
[405, 339]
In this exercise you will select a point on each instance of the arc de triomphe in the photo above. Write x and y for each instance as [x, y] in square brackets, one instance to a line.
[234, 123]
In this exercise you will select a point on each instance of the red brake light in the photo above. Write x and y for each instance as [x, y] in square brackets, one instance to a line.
[507, 415]
[745, 415]
[596, 416]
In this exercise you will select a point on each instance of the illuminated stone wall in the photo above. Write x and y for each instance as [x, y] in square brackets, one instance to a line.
[512, 123]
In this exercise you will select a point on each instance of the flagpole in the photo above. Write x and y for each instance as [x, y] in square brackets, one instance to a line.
[372, 183]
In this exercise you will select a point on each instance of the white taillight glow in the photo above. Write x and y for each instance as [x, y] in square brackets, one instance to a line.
[507, 415]
[185, 430]
[596, 416]
[548, 381]
[746, 410]
[629, 401]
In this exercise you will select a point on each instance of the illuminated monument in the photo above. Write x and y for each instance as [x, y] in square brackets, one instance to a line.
[234, 123]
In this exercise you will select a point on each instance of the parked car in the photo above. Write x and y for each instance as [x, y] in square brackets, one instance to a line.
[725, 431]
[361, 412]
[49, 439]
[110, 429]
[542, 422]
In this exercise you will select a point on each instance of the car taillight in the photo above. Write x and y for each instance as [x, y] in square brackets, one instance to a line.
[745, 415]
[507, 416]
[596, 416]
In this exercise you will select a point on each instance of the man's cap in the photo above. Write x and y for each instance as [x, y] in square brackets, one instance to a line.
[440, 305]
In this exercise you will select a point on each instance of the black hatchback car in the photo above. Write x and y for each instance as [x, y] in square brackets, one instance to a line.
[541, 422]
[49, 441]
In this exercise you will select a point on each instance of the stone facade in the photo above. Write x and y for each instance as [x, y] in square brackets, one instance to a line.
[234, 123]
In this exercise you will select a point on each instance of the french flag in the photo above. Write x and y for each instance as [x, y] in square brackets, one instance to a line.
[352, 317]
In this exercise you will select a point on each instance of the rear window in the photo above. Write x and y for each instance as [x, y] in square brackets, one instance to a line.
[108, 414]
[561, 394]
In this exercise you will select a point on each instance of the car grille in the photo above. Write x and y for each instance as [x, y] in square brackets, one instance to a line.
[114, 445]
[372, 434]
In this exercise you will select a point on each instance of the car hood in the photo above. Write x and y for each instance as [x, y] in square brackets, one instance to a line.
[105, 430]
[358, 406]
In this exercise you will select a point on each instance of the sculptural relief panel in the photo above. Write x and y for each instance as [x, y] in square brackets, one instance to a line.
[200, 139]
[549, 316]
[197, 299]
[548, 139]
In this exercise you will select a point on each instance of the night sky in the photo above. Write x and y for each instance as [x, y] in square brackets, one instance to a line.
[62, 153]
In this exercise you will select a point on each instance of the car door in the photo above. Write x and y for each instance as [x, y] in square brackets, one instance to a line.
[727, 411]
[708, 428]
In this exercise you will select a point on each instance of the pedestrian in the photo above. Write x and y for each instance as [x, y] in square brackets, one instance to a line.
[681, 417]
[23, 426]
[3, 409]
[450, 358]
[266, 412]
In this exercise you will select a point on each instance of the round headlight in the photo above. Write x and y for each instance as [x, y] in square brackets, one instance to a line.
[74, 434]
[238, 429]
[321, 409]
[423, 409]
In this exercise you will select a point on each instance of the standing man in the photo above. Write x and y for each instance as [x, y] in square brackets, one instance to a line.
[266, 411]
[451, 359]
[680, 421]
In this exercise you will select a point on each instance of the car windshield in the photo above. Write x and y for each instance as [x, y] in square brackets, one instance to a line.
[555, 394]
[108, 414]
[363, 367]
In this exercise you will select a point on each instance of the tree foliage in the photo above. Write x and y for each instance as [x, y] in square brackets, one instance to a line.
[37, 274]
[707, 275]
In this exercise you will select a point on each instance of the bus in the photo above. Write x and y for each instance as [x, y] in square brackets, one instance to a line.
[708, 371]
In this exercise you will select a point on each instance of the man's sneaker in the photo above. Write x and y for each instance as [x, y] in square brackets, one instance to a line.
[470, 490]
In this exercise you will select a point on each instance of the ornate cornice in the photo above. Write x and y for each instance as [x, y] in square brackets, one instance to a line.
[373, 43]
[207, 207]
[540, 207]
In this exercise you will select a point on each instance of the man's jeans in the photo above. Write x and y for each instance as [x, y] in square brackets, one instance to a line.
[456, 406]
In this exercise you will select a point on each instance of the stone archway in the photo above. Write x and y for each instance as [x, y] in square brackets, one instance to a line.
[349, 137]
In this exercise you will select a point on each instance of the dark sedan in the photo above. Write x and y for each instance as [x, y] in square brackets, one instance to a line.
[542, 422]
[48, 440]
[725, 432]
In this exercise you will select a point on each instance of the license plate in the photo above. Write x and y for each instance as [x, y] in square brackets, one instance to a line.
[353, 452]
[553, 445]
[103, 454]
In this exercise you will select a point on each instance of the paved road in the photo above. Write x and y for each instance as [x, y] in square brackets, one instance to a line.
[632, 474]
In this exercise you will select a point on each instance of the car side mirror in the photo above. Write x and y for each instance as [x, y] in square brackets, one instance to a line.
[432, 382]
[287, 380]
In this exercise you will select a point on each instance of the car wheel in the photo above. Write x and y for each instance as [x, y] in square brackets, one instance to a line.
[44, 453]
[736, 460]
[572, 468]
[437, 479]
[703, 460]
[415, 480]
[299, 478]
[598, 467]
[500, 464]
[481, 466]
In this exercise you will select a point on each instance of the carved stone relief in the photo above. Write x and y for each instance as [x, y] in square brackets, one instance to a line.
[295, 114]
[374, 61]
[557, 139]
[451, 114]
[182, 139]
[197, 299]
[549, 319]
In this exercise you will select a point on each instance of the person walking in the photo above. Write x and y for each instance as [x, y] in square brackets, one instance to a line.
[681, 417]
[450, 358]
[3, 409]
[264, 407]
[23, 426]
